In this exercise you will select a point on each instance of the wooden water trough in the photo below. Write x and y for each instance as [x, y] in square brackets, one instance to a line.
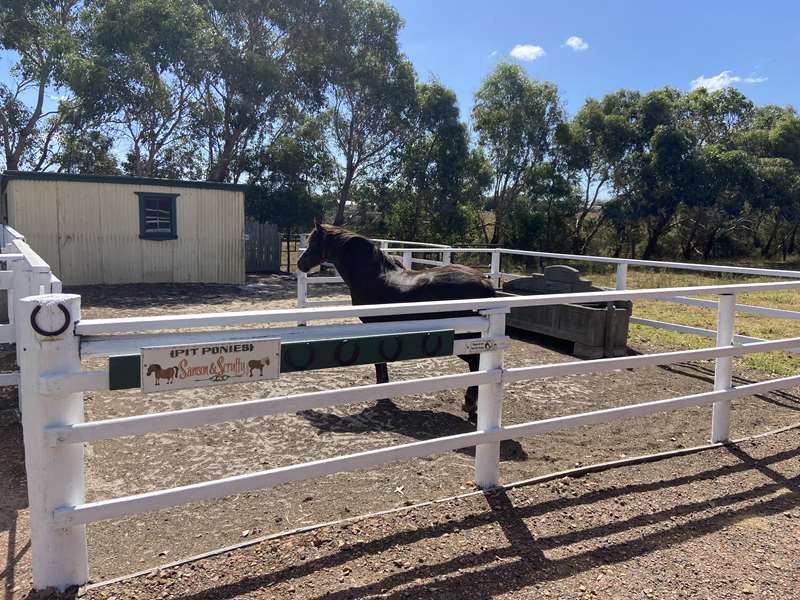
[597, 330]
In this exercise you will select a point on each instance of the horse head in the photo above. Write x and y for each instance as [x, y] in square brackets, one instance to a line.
[153, 369]
[316, 248]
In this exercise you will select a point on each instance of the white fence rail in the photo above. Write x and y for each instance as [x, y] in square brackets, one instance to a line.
[304, 281]
[53, 383]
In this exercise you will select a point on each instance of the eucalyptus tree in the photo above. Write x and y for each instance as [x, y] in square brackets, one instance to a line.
[41, 35]
[441, 180]
[371, 94]
[263, 71]
[660, 169]
[515, 118]
[718, 203]
[593, 144]
[136, 73]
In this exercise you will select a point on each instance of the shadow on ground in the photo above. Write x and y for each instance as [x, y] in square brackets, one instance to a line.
[386, 416]
[523, 562]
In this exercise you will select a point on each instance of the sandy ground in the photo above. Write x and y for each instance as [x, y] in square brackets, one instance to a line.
[131, 465]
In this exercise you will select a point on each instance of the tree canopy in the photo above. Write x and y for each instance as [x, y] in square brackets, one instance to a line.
[314, 104]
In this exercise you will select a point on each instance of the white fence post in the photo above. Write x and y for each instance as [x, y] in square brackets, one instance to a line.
[723, 367]
[55, 474]
[407, 259]
[490, 405]
[495, 268]
[302, 292]
[447, 257]
[621, 280]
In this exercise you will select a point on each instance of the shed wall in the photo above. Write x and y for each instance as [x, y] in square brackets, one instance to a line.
[89, 232]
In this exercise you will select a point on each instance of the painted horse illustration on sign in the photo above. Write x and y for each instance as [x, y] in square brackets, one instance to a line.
[158, 373]
[258, 364]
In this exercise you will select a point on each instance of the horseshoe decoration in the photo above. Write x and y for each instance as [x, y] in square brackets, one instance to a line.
[58, 331]
[398, 349]
[426, 343]
[338, 353]
[305, 365]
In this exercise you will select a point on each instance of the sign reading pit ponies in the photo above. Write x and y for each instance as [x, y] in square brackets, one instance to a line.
[167, 368]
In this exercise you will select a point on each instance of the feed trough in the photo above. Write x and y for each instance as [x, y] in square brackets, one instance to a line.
[597, 329]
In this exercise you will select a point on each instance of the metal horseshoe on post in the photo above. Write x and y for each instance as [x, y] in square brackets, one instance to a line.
[304, 366]
[425, 343]
[338, 353]
[58, 331]
[385, 355]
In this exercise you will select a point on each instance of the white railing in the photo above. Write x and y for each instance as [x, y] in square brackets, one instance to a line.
[24, 273]
[495, 273]
[52, 385]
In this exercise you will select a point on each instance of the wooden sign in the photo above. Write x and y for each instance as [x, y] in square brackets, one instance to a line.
[165, 368]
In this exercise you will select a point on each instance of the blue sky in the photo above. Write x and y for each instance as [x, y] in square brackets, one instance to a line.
[644, 44]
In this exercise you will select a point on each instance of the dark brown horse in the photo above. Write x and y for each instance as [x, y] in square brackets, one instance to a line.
[377, 278]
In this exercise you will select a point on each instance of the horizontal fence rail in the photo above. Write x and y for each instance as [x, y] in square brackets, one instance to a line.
[210, 490]
[130, 324]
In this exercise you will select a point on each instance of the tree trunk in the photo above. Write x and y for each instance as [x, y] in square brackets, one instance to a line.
[344, 194]
[767, 251]
[708, 247]
[689, 243]
[654, 235]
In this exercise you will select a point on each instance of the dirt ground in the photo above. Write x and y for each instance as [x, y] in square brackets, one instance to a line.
[137, 464]
[721, 524]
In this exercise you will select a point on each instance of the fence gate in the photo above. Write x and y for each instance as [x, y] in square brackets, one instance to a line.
[262, 248]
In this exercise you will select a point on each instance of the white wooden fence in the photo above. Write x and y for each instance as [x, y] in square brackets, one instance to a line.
[52, 386]
[23, 273]
[53, 338]
[304, 281]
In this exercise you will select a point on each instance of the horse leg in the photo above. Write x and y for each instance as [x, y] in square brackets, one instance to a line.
[470, 405]
[382, 376]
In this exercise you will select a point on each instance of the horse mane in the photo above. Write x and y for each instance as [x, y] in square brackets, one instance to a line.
[337, 238]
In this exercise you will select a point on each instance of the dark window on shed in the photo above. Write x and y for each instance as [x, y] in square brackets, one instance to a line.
[157, 218]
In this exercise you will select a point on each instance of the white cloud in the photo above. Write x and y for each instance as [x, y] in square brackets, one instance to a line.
[494, 53]
[527, 52]
[576, 43]
[722, 80]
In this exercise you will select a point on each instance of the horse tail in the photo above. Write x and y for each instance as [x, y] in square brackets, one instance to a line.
[176, 371]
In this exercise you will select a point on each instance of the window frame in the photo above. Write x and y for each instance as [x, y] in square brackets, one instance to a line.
[173, 232]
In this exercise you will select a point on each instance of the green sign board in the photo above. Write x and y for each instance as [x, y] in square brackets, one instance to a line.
[125, 371]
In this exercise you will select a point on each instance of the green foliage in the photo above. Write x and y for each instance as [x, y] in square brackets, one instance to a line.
[371, 93]
[516, 119]
[42, 35]
[85, 152]
[441, 180]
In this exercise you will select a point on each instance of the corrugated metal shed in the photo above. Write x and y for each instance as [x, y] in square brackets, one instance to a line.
[88, 228]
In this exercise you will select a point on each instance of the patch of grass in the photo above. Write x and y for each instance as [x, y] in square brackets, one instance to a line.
[773, 363]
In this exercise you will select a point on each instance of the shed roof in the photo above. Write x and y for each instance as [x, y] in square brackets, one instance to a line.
[126, 179]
